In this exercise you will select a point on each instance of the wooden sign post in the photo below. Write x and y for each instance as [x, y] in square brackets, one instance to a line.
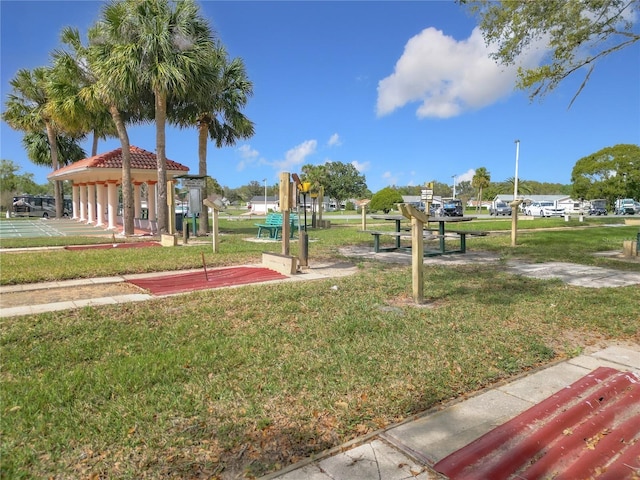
[418, 219]
[215, 208]
[285, 208]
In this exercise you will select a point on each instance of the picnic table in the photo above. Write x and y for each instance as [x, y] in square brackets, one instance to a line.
[441, 233]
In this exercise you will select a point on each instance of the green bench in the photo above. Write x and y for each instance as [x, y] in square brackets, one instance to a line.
[273, 225]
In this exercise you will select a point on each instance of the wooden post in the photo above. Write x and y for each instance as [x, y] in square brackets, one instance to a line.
[171, 224]
[215, 208]
[418, 219]
[363, 205]
[514, 221]
[320, 205]
[285, 206]
[417, 260]
[214, 231]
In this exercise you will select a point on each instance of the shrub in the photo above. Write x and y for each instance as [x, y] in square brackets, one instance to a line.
[385, 200]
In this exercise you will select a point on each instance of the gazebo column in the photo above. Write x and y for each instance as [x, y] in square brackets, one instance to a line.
[101, 194]
[151, 201]
[91, 202]
[75, 195]
[137, 201]
[112, 202]
[83, 202]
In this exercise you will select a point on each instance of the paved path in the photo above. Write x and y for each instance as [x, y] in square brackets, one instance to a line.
[408, 450]
[34, 304]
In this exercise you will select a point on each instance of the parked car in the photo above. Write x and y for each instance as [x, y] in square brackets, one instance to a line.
[636, 206]
[543, 209]
[625, 206]
[500, 208]
[452, 207]
[598, 207]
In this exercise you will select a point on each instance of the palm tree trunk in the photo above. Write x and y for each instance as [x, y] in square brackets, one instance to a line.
[127, 191]
[203, 132]
[94, 144]
[57, 184]
[161, 159]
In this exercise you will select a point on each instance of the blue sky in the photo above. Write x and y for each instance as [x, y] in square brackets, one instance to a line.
[402, 90]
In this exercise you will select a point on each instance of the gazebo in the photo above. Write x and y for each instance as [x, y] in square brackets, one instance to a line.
[96, 180]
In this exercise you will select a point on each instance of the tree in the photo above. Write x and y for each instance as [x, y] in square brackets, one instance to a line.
[216, 111]
[29, 109]
[578, 33]
[610, 173]
[524, 186]
[78, 111]
[385, 200]
[166, 45]
[481, 179]
[11, 183]
[317, 175]
[343, 182]
[89, 72]
[36, 144]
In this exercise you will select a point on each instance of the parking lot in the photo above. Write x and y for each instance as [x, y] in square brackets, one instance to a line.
[40, 227]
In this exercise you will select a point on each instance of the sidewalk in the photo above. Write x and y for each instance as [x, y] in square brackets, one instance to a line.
[31, 304]
[410, 449]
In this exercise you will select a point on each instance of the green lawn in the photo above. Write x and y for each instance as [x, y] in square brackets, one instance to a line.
[222, 383]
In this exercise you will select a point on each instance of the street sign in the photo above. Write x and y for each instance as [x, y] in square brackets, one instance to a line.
[193, 182]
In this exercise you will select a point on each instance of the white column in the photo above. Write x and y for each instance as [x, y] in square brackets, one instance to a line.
[101, 193]
[151, 201]
[83, 202]
[137, 202]
[112, 202]
[91, 202]
[76, 198]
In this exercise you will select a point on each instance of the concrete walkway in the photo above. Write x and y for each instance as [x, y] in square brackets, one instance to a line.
[409, 450]
[32, 305]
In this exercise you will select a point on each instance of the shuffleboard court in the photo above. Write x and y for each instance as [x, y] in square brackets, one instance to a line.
[38, 227]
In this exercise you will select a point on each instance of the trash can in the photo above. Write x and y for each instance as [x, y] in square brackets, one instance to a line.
[179, 218]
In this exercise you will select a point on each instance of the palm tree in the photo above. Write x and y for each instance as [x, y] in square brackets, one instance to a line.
[72, 73]
[481, 180]
[509, 184]
[165, 46]
[216, 112]
[36, 144]
[29, 109]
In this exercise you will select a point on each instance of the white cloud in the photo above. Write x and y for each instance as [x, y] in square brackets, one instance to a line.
[248, 156]
[390, 178]
[361, 166]
[466, 176]
[448, 76]
[334, 141]
[296, 155]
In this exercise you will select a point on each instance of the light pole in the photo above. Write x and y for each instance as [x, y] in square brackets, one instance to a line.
[304, 240]
[265, 195]
[515, 181]
[454, 185]
[516, 203]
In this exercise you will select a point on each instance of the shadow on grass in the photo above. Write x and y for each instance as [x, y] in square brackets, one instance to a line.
[490, 285]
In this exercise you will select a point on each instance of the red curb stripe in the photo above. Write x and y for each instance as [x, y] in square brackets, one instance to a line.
[539, 442]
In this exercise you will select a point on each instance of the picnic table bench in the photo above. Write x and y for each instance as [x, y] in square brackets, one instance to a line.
[429, 233]
[273, 225]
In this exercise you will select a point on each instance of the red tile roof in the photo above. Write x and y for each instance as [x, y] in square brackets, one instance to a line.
[140, 159]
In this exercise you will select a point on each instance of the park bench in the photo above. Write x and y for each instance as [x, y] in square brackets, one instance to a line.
[463, 236]
[273, 225]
